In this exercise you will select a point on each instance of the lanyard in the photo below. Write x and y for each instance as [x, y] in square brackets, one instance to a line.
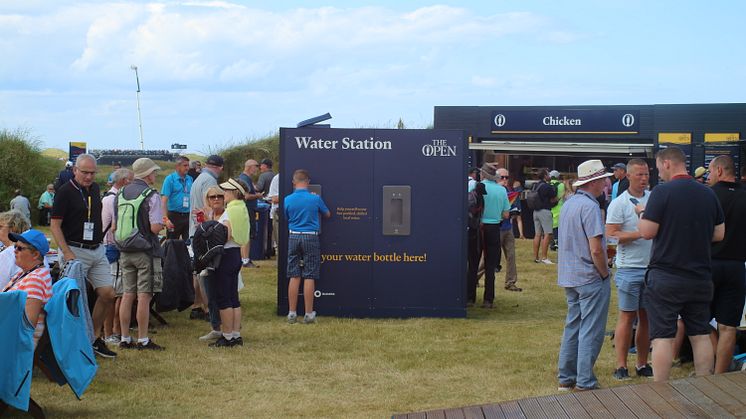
[86, 203]
[20, 277]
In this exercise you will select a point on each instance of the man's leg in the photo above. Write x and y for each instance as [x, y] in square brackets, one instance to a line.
[545, 246]
[704, 357]
[293, 291]
[568, 356]
[143, 313]
[491, 259]
[117, 327]
[309, 287]
[537, 242]
[507, 242]
[725, 348]
[594, 309]
[472, 265]
[623, 336]
[104, 305]
[662, 358]
[125, 314]
[642, 338]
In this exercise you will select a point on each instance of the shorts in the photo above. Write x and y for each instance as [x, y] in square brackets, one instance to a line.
[668, 295]
[141, 273]
[306, 248]
[116, 274]
[95, 265]
[630, 283]
[729, 279]
[543, 221]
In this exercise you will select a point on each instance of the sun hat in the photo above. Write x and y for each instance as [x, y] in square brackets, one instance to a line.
[143, 167]
[591, 170]
[35, 238]
[489, 171]
[233, 185]
[699, 172]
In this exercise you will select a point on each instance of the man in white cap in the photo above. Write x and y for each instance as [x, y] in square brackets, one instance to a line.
[139, 219]
[683, 218]
[584, 274]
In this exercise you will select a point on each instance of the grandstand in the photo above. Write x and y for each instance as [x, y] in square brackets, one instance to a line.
[127, 157]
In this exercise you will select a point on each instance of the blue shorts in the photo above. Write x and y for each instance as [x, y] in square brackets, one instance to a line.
[304, 248]
[630, 283]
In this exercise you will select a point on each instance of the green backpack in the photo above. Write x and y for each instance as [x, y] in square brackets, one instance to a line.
[128, 237]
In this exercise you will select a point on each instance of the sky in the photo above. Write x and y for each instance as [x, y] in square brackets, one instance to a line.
[216, 73]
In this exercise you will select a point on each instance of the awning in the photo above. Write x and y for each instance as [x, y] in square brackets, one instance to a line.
[565, 148]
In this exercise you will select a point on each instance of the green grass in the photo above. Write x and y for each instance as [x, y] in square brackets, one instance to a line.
[340, 367]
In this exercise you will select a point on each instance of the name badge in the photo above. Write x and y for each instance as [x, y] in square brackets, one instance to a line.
[87, 231]
[185, 202]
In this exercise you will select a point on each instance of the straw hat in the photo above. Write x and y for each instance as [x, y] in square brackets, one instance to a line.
[590, 170]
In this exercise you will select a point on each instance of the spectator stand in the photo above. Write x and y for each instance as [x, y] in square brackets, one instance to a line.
[127, 157]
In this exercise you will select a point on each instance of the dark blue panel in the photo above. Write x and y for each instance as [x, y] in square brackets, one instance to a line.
[367, 274]
[565, 121]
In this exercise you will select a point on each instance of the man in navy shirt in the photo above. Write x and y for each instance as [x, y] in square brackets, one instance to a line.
[302, 209]
[682, 217]
[175, 196]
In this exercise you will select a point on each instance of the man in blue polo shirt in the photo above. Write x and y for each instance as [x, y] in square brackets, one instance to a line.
[175, 197]
[302, 209]
[496, 208]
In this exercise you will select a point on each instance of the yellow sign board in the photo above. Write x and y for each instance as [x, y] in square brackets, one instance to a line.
[720, 137]
[675, 137]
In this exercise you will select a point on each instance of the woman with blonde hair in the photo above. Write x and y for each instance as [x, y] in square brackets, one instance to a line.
[213, 210]
[236, 219]
[10, 222]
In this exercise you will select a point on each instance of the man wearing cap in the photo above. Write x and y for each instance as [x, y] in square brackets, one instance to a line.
[583, 272]
[302, 209]
[554, 180]
[700, 174]
[140, 260]
[632, 258]
[77, 228]
[683, 218]
[33, 277]
[728, 257]
[496, 209]
[207, 178]
[621, 183]
[175, 198]
[64, 176]
[265, 177]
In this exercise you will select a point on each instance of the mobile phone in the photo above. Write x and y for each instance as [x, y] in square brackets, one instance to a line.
[634, 201]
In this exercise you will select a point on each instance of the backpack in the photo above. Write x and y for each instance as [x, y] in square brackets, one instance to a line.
[533, 199]
[127, 235]
[476, 206]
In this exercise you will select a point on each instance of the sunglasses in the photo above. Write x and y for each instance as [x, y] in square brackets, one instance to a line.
[504, 177]
[216, 197]
[21, 248]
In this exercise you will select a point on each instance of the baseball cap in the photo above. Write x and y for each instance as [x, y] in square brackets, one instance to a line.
[35, 238]
[554, 174]
[619, 166]
[215, 160]
[267, 162]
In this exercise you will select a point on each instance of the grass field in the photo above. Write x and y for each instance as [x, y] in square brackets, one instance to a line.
[340, 367]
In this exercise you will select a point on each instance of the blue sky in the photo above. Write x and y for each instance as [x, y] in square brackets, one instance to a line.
[215, 73]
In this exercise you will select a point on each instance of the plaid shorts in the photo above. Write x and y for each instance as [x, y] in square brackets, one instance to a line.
[304, 256]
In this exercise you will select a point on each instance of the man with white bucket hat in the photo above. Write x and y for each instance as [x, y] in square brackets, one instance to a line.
[583, 271]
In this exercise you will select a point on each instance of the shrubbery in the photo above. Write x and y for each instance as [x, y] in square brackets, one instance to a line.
[23, 166]
[265, 148]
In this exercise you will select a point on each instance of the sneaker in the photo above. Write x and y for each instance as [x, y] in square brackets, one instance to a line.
[292, 318]
[222, 342]
[644, 371]
[547, 262]
[595, 387]
[127, 345]
[113, 339]
[512, 287]
[309, 318]
[99, 347]
[237, 341]
[152, 346]
[621, 374]
[249, 264]
[213, 335]
[537, 260]
[566, 387]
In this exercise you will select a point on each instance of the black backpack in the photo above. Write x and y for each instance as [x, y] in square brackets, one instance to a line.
[476, 207]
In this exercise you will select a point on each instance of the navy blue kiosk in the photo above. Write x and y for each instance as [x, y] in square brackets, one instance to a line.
[395, 245]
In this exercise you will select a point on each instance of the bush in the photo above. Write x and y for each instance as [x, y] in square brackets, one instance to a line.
[22, 166]
[236, 156]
